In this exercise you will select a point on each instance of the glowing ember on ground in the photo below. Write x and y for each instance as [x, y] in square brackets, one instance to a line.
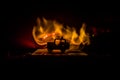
[58, 52]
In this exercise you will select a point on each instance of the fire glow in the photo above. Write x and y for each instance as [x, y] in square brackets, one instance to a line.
[47, 30]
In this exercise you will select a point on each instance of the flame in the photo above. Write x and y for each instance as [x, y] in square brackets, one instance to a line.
[48, 30]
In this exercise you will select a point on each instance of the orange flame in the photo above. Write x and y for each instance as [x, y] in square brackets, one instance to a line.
[47, 30]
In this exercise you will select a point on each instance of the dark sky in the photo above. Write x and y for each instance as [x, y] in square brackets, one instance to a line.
[70, 12]
[23, 14]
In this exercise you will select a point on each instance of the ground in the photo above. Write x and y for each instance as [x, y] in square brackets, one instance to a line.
[58, 52]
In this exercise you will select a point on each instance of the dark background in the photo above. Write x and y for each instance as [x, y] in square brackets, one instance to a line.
[19, 19]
